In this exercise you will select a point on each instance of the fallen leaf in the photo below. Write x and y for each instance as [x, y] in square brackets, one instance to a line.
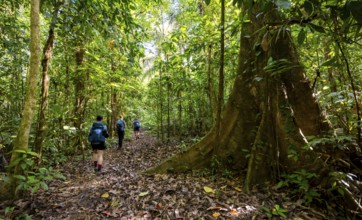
[106, 212]
[208, 189]
[214, 208]
[223, 187]
[105, 195]
[216, 214]
[143, 194]
[237, 189]
[234, 212]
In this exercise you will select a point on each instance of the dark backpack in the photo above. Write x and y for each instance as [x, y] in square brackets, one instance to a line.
[98, 134]
[137, 124]
[120, 125]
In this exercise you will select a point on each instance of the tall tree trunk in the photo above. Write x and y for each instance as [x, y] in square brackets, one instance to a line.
[22, 139]
[80, 98]
[168, 110]
[355, 96]
[161, 106]
[47, 54]
[120, 104]
[114, 113]
[180, 121]
[221, 70]
[210, 85]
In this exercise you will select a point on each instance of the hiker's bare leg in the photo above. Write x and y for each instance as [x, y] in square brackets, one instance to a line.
[95, 159]
[100, 159]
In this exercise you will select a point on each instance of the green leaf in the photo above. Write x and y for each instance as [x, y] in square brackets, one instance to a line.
[29, 162]
[356, 8]
[43, 170]
[301, 36]
[44, 185]
[280, 184]
[23, 166]
[308, 8]
[32, 153]
[317, 28]
[330, 62]
[20, 177]
[331, 2]
[344, 13]
[20, 151]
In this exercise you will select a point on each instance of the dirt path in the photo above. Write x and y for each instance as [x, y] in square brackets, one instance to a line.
[121, 192]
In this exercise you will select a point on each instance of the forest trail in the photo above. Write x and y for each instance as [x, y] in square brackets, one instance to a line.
[122, 192]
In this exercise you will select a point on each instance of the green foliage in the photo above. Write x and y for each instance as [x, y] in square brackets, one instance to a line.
[215, 165]
[183, 146]
[299, 182]
[277, 67]
[334, 142]
[339, 183]
[31, 177]
[276, 211]
[10, 214]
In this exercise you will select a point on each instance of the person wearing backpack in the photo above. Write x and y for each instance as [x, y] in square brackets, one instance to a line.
[97, 137]
[121, 125]
[136, 128]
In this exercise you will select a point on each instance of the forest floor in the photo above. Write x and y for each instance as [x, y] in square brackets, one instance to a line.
[120, 191]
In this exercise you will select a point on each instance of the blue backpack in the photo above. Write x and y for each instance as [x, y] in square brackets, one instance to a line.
[120, 125]
[137, 124]
[97, 134]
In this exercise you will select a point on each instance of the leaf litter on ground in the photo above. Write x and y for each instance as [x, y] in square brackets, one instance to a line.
[120, 191]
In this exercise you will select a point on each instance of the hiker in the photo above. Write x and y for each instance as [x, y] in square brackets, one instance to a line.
[121, 125]
[136, 128]
[97, 137]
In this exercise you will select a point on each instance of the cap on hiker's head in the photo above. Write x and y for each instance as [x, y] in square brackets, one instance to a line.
[99, 118]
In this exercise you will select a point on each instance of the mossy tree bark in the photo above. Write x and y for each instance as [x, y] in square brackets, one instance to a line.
[22, 140]
[268, 113]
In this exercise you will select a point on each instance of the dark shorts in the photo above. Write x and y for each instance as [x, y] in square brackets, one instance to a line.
[99, 146]
[121, 134]
[136, 129]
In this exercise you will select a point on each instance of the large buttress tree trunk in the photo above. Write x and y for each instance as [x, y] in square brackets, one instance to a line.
[268, 113]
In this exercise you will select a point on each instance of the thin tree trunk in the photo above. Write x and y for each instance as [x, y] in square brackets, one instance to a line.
[180, 122]
[355, 96]
[221, 70]
[168, 110]
[22, 139]
[47, 54]
[120, 104]
[210, 85]
[114, 113]
[80, 99]
[161, 105]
